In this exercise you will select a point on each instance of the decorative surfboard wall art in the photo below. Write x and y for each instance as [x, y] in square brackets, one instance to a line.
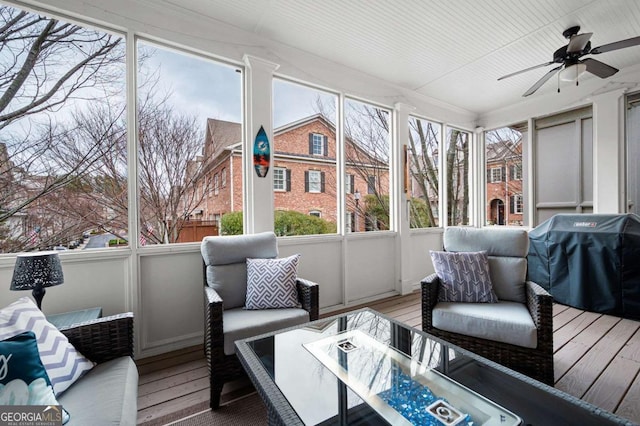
[261, 153]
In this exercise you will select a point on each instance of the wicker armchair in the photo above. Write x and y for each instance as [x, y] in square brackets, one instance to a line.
[224, 263]
[511, 246]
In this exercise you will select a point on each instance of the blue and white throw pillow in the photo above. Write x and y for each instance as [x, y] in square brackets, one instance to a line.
[23, 379]
[271, 283]
[464, 276]
[64, 364]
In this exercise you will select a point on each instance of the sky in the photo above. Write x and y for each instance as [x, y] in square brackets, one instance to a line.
[210, 89]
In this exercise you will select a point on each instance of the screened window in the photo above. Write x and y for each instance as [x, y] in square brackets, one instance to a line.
[304, 122]
[63, 143]
[457, 175]
[179, 143]
[503, 154]
[224, 177]
[423, 173]
[367, 151]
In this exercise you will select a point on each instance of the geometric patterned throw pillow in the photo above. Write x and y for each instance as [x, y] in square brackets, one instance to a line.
[464, 276]
[64, 364]
[23, 379]
[271, 283]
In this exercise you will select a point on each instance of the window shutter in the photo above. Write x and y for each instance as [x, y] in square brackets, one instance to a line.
[352, 179]
[502, 174]
[489, 175]
[324, 143]
[288, 180]
[310, 143]
[321, 181]
[512, 172]
[512, 204]
[306, 181]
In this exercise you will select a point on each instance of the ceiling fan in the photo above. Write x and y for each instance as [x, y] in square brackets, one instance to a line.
[569, 58]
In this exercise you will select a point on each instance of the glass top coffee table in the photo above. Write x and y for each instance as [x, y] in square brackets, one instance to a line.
[364, 368]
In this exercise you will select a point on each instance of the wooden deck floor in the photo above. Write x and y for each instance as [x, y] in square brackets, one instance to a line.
[596, 358]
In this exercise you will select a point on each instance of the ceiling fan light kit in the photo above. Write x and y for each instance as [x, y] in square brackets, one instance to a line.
[572, 66]
[572, 72]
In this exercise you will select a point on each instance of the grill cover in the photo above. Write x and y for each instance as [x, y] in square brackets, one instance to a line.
[590, 261]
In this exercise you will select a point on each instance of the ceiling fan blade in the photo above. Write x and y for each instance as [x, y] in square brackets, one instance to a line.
[525, 70]
[598, 68]
[578, 42]
[634, 41]
[543, 80]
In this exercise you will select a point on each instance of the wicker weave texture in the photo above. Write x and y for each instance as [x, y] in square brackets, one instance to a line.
[103, 339]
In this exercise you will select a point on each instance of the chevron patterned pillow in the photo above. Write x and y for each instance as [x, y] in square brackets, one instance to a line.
[271, 283]
[464, 276]
[63, 363]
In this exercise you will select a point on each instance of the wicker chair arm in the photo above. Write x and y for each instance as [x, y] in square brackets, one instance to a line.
[309, 298]
[213, 315]
[430, 286]
[103, 339]
[538, 299]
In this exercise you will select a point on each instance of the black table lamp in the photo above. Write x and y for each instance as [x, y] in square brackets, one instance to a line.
[35, 271]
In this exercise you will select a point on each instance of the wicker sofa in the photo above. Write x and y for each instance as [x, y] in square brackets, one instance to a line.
[106, 395]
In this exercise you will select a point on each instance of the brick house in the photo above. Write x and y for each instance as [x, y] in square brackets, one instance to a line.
[304, 172]
[504, 183]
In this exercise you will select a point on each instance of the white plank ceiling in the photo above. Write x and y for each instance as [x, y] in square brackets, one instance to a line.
[450, 50]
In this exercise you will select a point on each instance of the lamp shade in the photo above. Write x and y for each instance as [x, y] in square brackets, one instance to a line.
[35, 271]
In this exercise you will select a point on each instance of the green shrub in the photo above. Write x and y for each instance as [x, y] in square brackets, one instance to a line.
[231, 224]
[287, 222]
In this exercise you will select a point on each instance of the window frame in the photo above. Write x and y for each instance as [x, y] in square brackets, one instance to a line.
[493, 171]
[282, 170]
[317, 141]
[317, 173]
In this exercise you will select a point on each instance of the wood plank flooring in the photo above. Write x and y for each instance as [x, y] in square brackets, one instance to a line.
[596, 358]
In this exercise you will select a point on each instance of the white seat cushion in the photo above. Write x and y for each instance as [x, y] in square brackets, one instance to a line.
[507, 322]
[239, 323]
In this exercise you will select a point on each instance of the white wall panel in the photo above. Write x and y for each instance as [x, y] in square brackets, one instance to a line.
[420, 261]
[320, 262]
[370, 266]
[171, 301]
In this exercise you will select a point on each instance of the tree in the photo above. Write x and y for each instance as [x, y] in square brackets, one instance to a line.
[423, 168]
[48, 62]
[172, 175]
[48, 68]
